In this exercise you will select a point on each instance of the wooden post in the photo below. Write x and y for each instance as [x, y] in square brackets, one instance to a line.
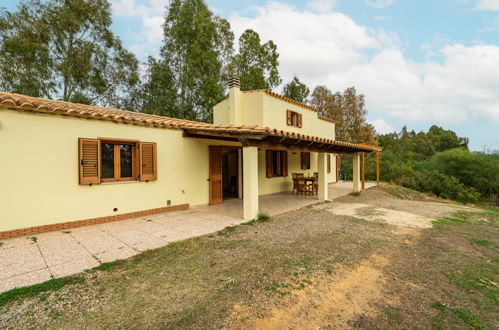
[362, 172]
[377, 167]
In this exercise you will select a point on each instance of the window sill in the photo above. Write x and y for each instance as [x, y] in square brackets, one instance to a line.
[118, 182]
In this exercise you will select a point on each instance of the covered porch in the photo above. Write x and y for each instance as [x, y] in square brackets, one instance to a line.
[278, 203]
[254, 142]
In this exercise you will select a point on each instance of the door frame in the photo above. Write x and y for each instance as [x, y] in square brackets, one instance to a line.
[213, 200]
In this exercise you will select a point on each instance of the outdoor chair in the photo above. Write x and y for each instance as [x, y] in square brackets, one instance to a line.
[303, 187]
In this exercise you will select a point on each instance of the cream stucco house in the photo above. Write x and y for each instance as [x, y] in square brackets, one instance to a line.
[64, 165]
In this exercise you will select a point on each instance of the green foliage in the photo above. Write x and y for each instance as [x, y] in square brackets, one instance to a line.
[437, 162]
[257, 63]
[296, 90]
[477, 170]
[189, 77]
[33, 290]
[65, 50]
[348, 111]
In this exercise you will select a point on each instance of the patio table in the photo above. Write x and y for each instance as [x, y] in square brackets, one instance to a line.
[312, 180]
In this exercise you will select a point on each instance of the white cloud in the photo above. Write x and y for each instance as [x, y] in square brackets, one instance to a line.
[382, 127]
[488, 5]
[457, 84]
[381, 3]
[321, 5]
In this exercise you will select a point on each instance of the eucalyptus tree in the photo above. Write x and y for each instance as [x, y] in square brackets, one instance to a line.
[296, 90]
[190, 75]
[348, 110]
[65, 49]
[256, 63]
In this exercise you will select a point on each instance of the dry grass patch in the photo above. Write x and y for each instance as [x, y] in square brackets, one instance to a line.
[310, 267]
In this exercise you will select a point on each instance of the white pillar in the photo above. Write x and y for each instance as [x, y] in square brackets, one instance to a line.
[322, 168]
[250, 182]
[356, 173]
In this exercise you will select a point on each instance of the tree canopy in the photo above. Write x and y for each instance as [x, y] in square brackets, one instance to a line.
[189, 77]
[348, 111]
[65, 50]
[256, 63]
[296, 90]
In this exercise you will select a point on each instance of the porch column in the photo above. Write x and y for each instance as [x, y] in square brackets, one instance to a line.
[362, 171]
[377, 167]
[356, 173]
[250, 183]
[322, 168]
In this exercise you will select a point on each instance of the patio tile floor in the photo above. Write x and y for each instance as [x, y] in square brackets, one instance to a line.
[27, 261]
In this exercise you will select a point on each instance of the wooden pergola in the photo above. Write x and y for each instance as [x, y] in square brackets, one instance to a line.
[280, 140]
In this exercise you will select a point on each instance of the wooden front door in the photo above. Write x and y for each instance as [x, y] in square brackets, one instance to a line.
[215, 163]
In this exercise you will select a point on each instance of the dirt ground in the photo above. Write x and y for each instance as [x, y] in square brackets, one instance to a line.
[387, 258]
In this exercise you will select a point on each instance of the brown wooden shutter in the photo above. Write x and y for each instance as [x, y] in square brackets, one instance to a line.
[288, 116]
[329, 163]
[299, 119]
[148, 161]
[284, 157]
[215, 164]
[89, 161]
[305, 160]
[269, 163]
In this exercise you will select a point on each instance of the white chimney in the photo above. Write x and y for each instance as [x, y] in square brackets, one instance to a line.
[235, 104]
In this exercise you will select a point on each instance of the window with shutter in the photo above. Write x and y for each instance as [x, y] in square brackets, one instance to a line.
[114, 160]
[329, 163]
[148, 161]
[276, 163]
[119, 160]
[305, 160]
[293, 118]
[269, 163]
[288, 117]
[89, 161]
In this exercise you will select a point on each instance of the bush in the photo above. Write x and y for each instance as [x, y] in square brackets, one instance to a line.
[439, 184]
[468, 195]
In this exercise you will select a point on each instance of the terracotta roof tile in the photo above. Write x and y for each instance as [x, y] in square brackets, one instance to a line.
[39, 105]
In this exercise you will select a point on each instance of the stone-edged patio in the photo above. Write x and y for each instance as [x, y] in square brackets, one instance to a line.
[38, 258]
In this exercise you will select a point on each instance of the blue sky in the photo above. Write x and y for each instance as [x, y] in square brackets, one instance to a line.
[417, 62]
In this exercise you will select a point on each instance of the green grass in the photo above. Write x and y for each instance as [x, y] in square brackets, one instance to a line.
[479, 241]
[34, 290]
[400, 192]
[227, 230]
[262, 217]
[469, 318]
[487, 218]
[438, 305]
[106, 266]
